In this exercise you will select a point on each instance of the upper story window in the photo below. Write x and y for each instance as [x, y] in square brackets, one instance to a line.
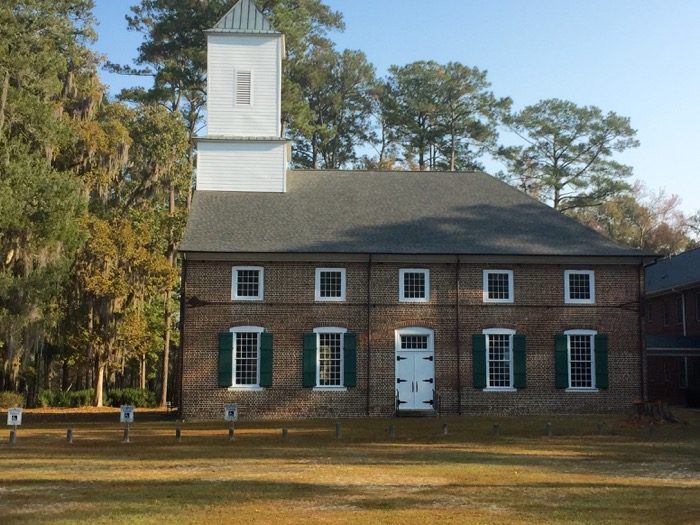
[330, 284]
[244, 88]
[247, 283]
[414, 285]
[579, 287]
[498, 286]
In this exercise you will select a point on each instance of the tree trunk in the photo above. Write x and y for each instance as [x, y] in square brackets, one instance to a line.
[3, 98]
[142, 372]
[452, 154]
[99, 384]
[168, 313]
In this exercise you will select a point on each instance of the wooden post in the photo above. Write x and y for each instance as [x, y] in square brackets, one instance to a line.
[601, 428]
[444, 429]
[496, 429]
[549, 429]
[285, 433]
[126, 433]
[13, 436]
[652, 428]
[231, 431]
[392, 432]
[69, 436]
[338, 430]
[178, 433]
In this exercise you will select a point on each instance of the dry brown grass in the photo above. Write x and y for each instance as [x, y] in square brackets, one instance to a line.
[626, 475]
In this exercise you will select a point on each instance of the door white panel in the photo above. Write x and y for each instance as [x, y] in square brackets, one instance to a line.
[415, 378]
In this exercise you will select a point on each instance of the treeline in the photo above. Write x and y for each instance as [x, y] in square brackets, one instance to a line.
[94, 191]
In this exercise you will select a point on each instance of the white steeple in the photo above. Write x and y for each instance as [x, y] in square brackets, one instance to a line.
[243, 149]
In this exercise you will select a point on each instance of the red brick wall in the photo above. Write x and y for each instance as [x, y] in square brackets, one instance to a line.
[654, 313]
[289, 310]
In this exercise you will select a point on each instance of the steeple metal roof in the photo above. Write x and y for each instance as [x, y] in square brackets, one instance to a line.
[244, 17]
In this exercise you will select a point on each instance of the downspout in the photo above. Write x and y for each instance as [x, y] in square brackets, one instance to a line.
[642, 353]
[457, 325]
[369, 326]
[685, 328]
[181, 360]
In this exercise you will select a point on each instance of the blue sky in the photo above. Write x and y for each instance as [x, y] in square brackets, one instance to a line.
[640, 59]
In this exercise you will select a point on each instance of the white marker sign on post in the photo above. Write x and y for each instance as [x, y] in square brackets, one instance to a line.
[127, 414]
[14, 417]
[230, 412]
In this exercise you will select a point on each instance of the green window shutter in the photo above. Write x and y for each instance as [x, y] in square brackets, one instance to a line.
[265, 359]
[349, 360]
[309, 372]
[561, 361]
[519, 380]
[601, 361]
[225, 359]
[479, 360]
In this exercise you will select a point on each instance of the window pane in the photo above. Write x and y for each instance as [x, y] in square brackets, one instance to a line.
[329, 359]
[579, 286]
[498, 285]
[414, 342]
[331, 284]
[580, 361]
[248, 283]
[414, 285]
[247, 358]
[499, 355]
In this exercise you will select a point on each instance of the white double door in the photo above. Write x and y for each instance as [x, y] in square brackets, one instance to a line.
[415, 379]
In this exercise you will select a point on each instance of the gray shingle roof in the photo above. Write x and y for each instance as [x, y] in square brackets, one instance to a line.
[389, 213]
[677, 271]
[243, 17]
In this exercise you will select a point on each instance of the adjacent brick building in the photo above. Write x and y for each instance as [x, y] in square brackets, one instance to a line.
[332, 293]
[672, 325]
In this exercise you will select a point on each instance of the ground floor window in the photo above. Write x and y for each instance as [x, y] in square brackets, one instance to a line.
[245, 357]
[330, 356]
[499, 358]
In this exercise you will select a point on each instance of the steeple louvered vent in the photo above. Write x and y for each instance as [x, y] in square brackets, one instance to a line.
[244, 88]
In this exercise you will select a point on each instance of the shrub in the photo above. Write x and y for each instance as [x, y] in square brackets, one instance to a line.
[44, 398]
[11, 400]
[69, 399]
[130, 396]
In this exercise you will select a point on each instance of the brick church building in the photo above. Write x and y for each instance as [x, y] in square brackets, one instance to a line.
[351, 293]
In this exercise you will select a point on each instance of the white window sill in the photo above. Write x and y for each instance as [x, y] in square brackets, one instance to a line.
[251, 388]
[498, 301]
[330, 299]
[401, 300]
[330, 389]
[578, 301]
[581, 390]
[499, 389]
[247, 299]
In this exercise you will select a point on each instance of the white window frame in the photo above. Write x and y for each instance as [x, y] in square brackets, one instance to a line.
[343, 284]
[235, 87]
[415, 330]
[330, 330]
[511, 287]
[402, 298]
[499, 331]
[235, 330]
[234, 284]
[567, 291]
[592, 334]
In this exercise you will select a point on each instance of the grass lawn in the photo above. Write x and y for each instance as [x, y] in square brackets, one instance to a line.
[626, 474]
